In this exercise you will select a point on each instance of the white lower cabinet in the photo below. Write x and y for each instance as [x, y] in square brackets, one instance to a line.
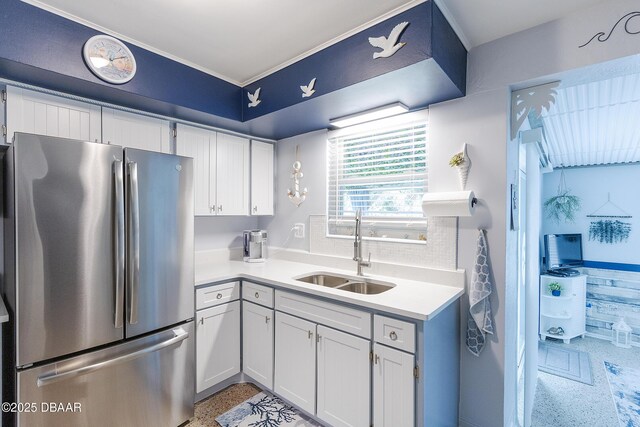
[344, 386]
[393, 387]
[217, 344]
[295, 357]
[257, 343]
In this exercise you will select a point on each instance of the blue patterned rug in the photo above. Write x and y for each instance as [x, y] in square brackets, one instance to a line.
[625, 389]
[264, 410]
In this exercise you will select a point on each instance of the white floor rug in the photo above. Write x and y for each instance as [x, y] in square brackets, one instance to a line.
[625, 389]
[564, 362]
[264, 410]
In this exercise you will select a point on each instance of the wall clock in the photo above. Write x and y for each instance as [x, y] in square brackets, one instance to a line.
[109, 59]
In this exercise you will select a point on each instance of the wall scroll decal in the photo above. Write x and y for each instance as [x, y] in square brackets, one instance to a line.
[308, 90]
[532, 98]
[603, 37]
[389, 45]
[254, 98]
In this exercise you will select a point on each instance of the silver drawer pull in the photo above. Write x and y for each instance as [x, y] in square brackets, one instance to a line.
[310, 334]
[393, 336]
[219, 296]
[376, 358]
[266, 319]
[257, 295]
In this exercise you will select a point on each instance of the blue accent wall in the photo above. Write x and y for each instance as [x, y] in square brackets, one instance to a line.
[343, 64]
[43, 49]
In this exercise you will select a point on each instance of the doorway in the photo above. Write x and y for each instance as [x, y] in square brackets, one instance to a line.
[591, 138]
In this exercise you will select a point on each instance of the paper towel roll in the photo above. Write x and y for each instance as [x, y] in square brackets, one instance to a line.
[454, 203]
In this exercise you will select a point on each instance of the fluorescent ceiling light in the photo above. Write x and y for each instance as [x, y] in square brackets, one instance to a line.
[369, 115]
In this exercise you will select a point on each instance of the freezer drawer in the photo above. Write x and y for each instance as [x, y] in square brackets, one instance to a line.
[144, 382]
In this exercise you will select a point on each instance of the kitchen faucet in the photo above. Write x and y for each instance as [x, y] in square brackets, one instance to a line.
[357, 245]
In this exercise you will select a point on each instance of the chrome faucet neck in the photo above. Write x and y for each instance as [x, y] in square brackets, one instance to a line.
[357, 245]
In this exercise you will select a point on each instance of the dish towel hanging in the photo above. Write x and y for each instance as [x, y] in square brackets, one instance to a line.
[480, 320]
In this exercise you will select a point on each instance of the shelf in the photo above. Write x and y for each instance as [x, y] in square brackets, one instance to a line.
[557, 298]
[556, 316]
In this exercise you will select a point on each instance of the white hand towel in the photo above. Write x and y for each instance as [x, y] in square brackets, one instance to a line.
[480, 321]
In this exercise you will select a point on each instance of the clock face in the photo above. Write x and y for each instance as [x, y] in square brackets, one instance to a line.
[109, 59]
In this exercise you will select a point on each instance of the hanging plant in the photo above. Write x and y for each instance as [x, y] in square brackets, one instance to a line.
[564, 205]
[609, 231]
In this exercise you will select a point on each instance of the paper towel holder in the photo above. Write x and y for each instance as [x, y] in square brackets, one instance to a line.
[449, 204]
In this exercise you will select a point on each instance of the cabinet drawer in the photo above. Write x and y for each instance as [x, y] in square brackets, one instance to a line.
[394, 333]
[346, 319]
[217, 294]
[258, 294]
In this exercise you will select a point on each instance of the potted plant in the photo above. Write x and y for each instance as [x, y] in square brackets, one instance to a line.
[462, 162]
[555, 288]
[564, 205]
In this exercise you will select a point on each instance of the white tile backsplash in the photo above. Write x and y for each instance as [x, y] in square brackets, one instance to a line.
[439, 251]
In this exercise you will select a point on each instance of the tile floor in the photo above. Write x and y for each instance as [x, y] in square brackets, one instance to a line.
[560, 402]
[207, 410]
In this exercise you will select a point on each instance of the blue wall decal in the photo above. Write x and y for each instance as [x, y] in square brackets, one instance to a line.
[45, 50]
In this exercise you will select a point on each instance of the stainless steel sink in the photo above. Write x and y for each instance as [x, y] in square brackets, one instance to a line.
[368, 288]
[328, 280]
[359, 285]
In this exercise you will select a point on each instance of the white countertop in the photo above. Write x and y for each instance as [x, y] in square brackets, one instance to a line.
[409, 298]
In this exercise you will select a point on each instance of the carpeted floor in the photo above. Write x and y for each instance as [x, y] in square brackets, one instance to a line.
[560, 402]
[208, 409]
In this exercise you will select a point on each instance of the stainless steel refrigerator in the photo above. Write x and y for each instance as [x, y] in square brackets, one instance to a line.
[98, 280]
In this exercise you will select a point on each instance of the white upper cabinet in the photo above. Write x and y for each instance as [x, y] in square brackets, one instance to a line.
[200, 144]
[42, 114]
[135, 131]
[232, 175]
[221, 170]
[261, 178]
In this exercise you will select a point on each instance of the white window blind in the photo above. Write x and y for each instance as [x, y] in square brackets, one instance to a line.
[383, 173]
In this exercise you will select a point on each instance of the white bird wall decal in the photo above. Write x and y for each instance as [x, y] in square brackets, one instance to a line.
[308, 90]
[389, 45]
[254, 98]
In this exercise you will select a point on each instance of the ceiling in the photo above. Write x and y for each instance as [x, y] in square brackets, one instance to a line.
[595, 123]
[243, 40]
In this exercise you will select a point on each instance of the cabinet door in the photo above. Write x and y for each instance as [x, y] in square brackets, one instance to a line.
[217, 344]
[393, 387]
[197, 143]
[42, 114]
[135, 131]
[295, 355]
[261, 178]
[344, 387]
[232, 175]
[257, 343]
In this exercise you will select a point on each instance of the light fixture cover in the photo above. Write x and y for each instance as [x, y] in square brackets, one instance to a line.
[369, 115]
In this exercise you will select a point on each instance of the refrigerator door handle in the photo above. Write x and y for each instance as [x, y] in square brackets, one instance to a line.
[134, 243]
[119, 244]
[179, 335]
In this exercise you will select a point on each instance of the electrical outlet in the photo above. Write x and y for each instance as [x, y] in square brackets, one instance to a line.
[298, 230]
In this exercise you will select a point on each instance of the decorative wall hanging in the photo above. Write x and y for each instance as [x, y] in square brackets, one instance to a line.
[603, 37]
[389, 45]
[609, 229]
[530, 99]
[308, 90]
[254, 98]
[564, 205]
[296, 196]
[461, 161]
